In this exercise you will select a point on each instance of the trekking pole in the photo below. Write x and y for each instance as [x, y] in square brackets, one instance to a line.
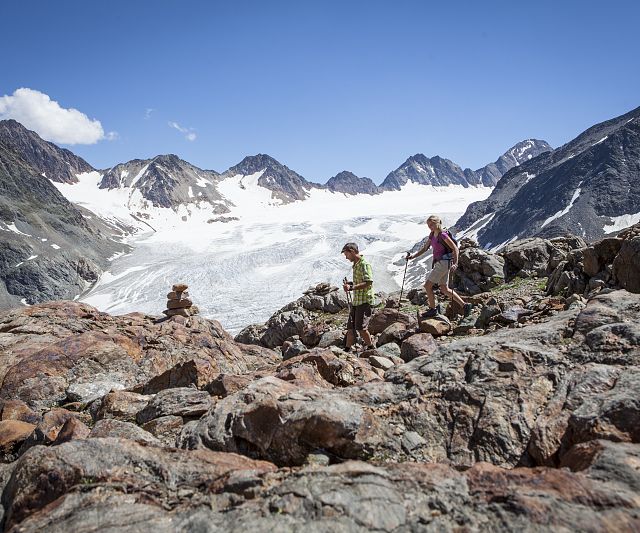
[406, 264]
[353, 321]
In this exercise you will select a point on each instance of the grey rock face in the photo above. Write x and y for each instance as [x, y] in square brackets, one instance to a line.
[516, 155]
[183, 401]
[478, 270]
[348, 183]
[109, 427]
[526, 258]
[613, 262]
[578, 187]
[57, 164]
[167, 181]
[352, 496]
[441, 172]
[31, 267]
[285, 184]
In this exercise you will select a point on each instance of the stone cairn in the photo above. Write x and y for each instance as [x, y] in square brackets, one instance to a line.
[321, 289]
[179, 303]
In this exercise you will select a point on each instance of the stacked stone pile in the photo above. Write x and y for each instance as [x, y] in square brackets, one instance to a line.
[179, 303]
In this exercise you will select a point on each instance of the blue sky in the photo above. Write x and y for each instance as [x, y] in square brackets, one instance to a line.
[321, 86]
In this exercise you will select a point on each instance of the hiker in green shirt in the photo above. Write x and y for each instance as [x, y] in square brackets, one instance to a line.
[363, 298]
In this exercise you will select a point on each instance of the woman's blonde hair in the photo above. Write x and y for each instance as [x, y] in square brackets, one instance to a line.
[436, 220]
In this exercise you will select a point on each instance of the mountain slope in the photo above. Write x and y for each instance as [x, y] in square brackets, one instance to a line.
[441, 172]
[49, 249]
[284, 184]
[348, 183]
[581, 187]
[166, 181]
[514, 156]
[55, 163]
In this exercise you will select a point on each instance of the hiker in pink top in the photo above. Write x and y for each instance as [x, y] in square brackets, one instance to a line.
[445, 260]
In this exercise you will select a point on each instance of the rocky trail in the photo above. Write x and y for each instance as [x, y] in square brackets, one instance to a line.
[524, 415]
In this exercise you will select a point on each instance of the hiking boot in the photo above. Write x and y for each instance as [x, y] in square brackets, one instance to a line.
[467, 310]
[430, 313]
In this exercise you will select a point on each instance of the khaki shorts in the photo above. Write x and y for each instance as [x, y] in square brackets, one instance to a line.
[360, 314]
[440, 273]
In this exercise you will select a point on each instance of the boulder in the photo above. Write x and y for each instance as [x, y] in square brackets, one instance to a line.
[165, 428]
[71, 430]
[184, 401]
[421, 344]
[396, 332]
[436, 326]
[12, 434]
[383, 318]
[275, 419]
[123, 405]
[600, 254]
[109, 427]
[390, 350]
[18, 410]
[87, 392]
[626, 265]
[281, 326]
[293, 348]
[478, 271]
[333, 337]
[226, 384]
[526, 258]
[251, 334]
[381, 362]
[195, 372]
[338, 371]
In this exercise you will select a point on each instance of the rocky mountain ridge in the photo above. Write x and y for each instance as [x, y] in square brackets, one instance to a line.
[166, 181]
[581, 187]
[49, 248]
[438, 171]
[49, 160]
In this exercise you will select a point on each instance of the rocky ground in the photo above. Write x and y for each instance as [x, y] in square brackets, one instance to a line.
[524, 415]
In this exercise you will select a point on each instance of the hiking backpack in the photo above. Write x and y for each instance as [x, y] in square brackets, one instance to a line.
[443, 242]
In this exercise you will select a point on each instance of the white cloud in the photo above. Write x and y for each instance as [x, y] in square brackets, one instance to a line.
[148, 112]
[189, 134]
[37, 112]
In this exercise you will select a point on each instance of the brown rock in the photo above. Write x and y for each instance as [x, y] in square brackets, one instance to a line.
[417, 346]
[197, 372]
[109, 427]
[305, 376]
[123, 405]
[12, 434]
[394, 333]
[383, 318]
[18, 410]
[49, 427]
[71, 430]
[435, 327]
[226, 384]
[340, 372]
[380, 362]
[184, 401]
[179, 287]
[179, 304]
[177, 295]
[177, 312]
[166, 429]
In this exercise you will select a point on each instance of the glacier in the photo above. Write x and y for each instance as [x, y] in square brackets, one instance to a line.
[241, 271]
